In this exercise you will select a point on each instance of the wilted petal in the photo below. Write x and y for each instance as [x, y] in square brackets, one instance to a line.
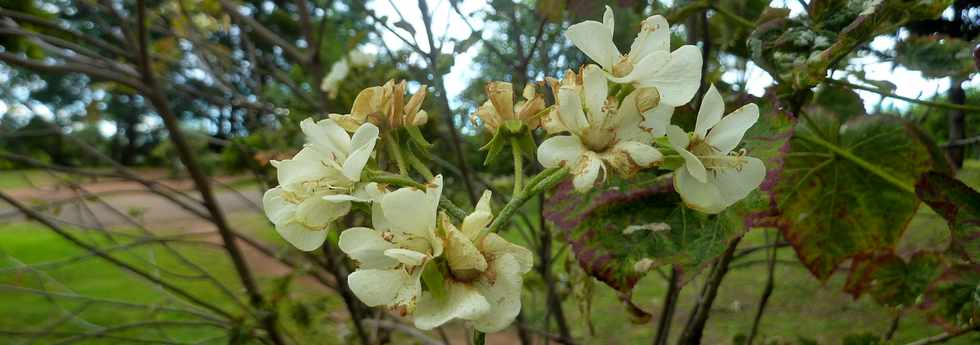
[735, 184]
[595, 39]
[494, 246]
[561, 150]
[701, 196]
[301, 237]
[726, 135]
[461, 302]
[679, 79]
[501, 95]
[481, 217]
[377, 287]
[367, 247]
[586, 172]
[712, 107]
[461, 253]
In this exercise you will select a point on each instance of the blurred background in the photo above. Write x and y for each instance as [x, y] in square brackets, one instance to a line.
[97, 134]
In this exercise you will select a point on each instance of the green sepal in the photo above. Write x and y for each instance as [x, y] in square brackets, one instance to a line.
[494, 147]
[433, 279]
[415, 135]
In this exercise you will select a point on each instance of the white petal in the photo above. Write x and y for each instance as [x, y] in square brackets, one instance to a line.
[305, 166]
[367, 247]
[735, 185]
[726, 135]
[596, 91]
[629, 121]
[327, 136]
[301, 237]
[377, 287]
[277, 209]
[596, 41]
[318, 213]
[560, 150]
[609, 20]
[366, 134]
[504, 294]
[570, 109]
[586, 172]
[406, 256]
[646, 67]
[654, 36]
[480, 218]
[712, 107]
[658, 119]
[679, 140]
[461, 302]
[344, 198]
[494, 246]
[642, 154]
[680, 78]
[408, 211]
[701, 196]
[354, 164]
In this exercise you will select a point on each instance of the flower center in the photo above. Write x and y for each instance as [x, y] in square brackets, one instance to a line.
[712, 159]
[623, 67]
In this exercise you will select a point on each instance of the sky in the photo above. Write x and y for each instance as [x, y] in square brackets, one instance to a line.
[908, 83]
[447, 23]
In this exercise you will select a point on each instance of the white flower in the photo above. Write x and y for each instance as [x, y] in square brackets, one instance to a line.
[385, 106]
[314, 185]
[340, 69]
[650, 63]
[604, 133]
[331, 82]
[392, 255]
[484, 278]
[714, 177]
[500, 107]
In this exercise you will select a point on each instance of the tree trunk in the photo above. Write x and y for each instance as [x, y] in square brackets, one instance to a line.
[957, 124]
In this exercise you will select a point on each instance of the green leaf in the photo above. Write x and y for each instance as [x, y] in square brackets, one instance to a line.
[893, 281]
[960, 206]
[612, 228]
[953, 300]
[405, 26]
[847, 190]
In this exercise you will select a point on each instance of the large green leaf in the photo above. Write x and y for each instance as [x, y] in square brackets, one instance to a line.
[613, 228]
[846, 190]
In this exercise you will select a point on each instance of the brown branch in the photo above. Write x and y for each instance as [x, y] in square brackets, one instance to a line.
[766, 293]
[945, 336]
[669, 307]
[699, 316]
[267, 315]
[544, 269]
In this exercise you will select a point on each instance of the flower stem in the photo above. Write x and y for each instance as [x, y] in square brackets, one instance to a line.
[518, 165]
[540, 183]
[395, 152]
[479, 338]
[420, 167]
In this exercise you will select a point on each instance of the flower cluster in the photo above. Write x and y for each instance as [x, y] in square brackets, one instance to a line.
[609, 118]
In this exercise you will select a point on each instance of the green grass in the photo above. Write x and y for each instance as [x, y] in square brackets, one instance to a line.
[85, 291]
[10, 179]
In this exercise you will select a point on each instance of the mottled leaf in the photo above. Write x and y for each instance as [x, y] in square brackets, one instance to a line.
[893, 281]
[953, 300]
[846, 190]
